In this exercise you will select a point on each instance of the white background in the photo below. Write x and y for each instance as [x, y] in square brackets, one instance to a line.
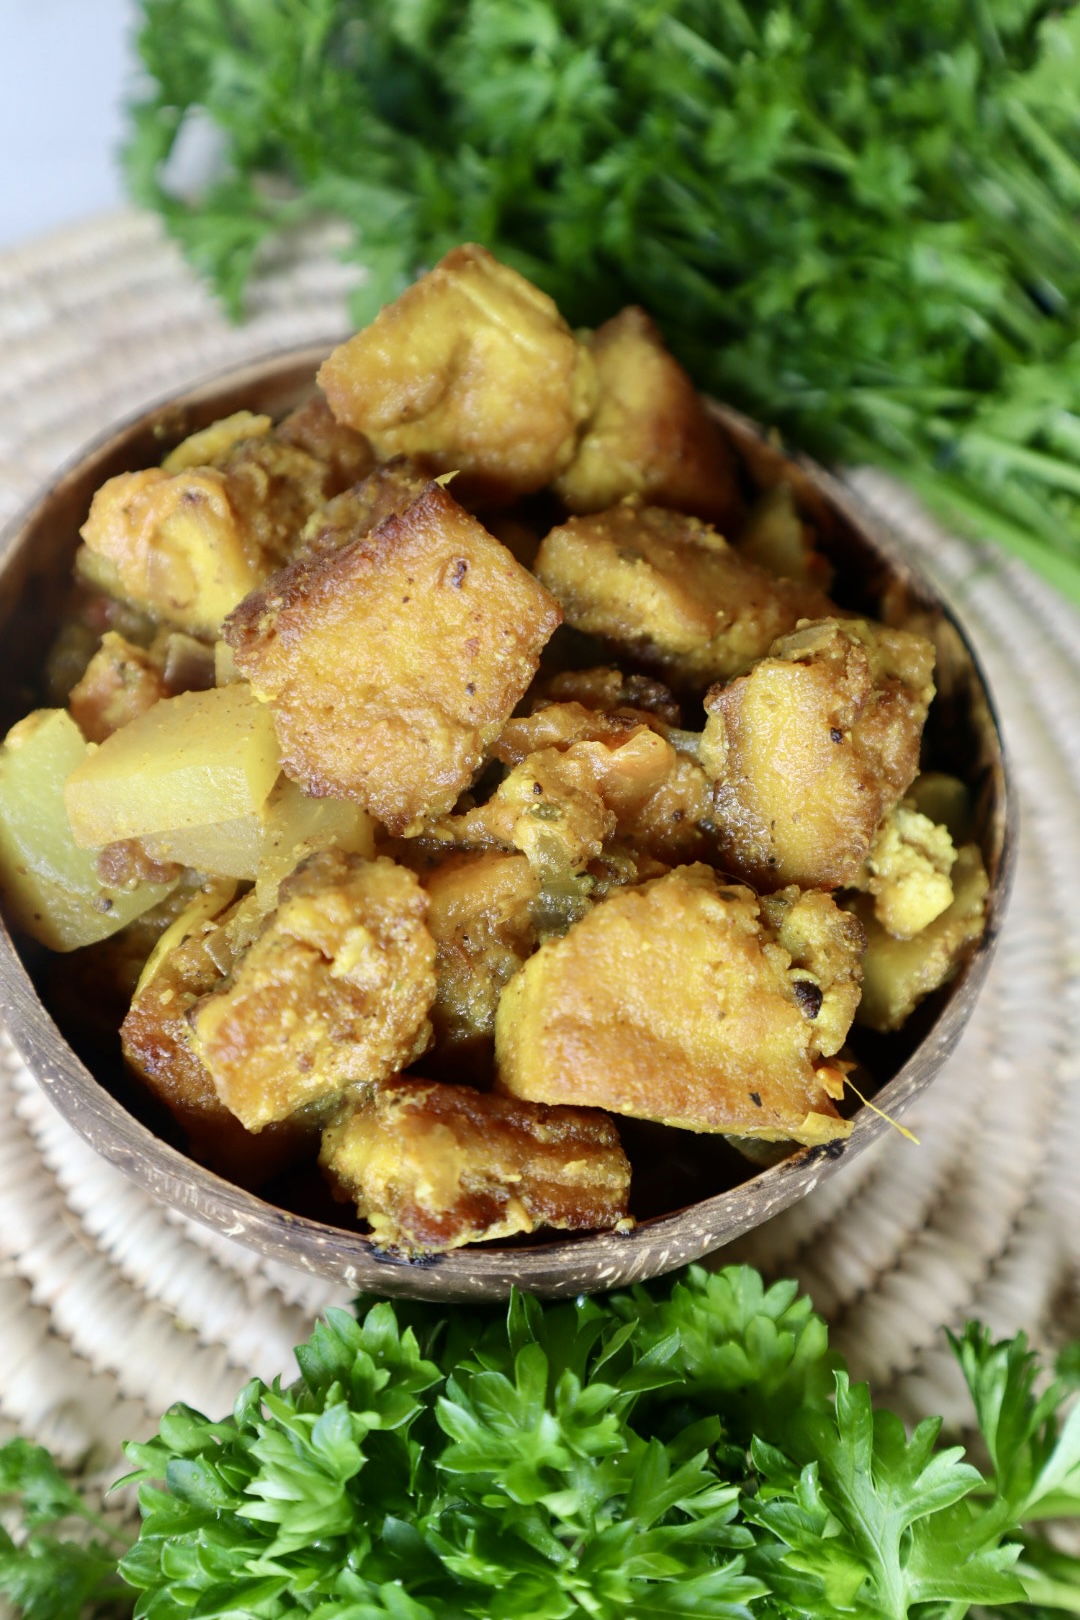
[65, 69]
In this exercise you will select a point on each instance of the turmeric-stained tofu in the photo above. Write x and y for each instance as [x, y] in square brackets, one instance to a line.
[675, 1002]
[581, 778]
[669, 591]
[187, 542]
[332, 995]
[390, 665]
[813, 747]
[120, 682]
[189, 962]
[481, 918]
[346, 456]
[899, 973]
[471, 370]
[651, 434]
[431, 1167]
[907, 872]
[190, 760]
[775, 537]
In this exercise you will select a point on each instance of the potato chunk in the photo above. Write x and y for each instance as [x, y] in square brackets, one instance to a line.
[669, 591]
[332, 995]
[190, 760]
[434, 1166]
[120, 682]
[899, 973]
[472, 369]
[481, 919]
[651, 434]
[389, 665]
[676, 1002]
[156, 1037]
[813, 747]
[51, 888]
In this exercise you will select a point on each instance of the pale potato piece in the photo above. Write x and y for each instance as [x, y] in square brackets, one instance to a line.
[120, 682]
[651, 434]
[670, 592]
[332, 995]
[267, 843]
[51, 888]
[431, 1167]
[471, 370]
[481, 919]
[390, 664]
[190, 760]
[813, 747]
[674, 1002]
[899, 973]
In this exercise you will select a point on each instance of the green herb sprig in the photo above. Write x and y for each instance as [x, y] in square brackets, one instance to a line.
[861, 223]
[686, 1449]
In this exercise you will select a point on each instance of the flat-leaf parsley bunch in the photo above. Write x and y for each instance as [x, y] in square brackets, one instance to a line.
[688, 1449]
[859, 221]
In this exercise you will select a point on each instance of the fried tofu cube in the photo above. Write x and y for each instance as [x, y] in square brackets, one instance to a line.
[813, 747]
[120, 682]
[188, 542]
[481, 918]
[775, 538]
[189, 962]
[651, 434]
[431, 1167]
[471, 370]
[899, 973]
[332, 995]
[390, 664]
[674, 1002]
[669, 591]
[907, 872]
[346, 456]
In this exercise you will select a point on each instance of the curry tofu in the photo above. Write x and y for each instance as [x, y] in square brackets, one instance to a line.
[472, 761]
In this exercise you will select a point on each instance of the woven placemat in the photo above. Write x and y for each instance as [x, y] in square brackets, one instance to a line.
[112, 1307]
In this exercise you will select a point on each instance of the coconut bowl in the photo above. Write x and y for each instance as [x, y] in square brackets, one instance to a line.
[692, 1195]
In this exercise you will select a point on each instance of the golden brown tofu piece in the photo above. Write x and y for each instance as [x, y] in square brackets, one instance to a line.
[669, 591]
[387, 492]
[674, 1002]
[120, 682]
[899, 973]
[156, 1038]
[651, 434]
[392, 663]
[332, 995]
[471, 370]
[346, 456]
[480, 916]
[813, 747]
[189, 543]
[434, 1166]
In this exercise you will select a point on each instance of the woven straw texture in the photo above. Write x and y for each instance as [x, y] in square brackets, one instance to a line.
[112, 1307]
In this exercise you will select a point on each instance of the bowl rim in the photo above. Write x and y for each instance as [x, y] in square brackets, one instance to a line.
[571, 1263]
